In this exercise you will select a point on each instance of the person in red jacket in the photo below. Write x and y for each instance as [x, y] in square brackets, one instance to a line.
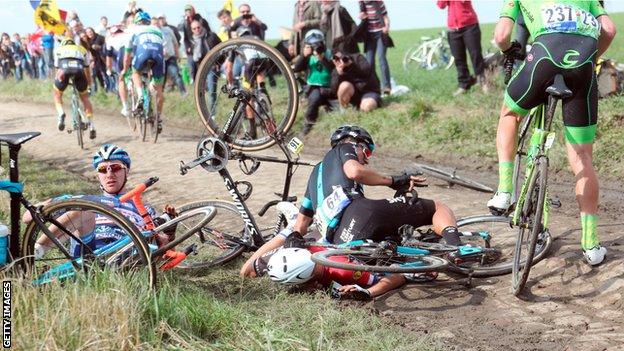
[464, 34]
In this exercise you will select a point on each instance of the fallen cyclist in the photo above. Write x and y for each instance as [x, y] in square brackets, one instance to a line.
[112, 164]
[335, 200]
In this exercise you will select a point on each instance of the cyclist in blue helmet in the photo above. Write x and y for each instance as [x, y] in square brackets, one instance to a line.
[112, 164]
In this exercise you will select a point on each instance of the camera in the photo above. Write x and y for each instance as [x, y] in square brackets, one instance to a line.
[318, 48]
[247, 16]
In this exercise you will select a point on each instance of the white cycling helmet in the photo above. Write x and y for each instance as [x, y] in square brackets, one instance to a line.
[291, 266]
[314, 36]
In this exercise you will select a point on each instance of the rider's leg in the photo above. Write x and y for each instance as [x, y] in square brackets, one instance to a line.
[77, 222]
[587, 191]
[138, 84]
[345, 92]
[506, 145]
[445, 224]
[160, 97]
[84, 96]
[123, 94]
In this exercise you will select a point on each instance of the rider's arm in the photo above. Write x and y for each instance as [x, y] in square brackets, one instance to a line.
[247, 270]
[502, 33]
[364, 175]
[607, 33]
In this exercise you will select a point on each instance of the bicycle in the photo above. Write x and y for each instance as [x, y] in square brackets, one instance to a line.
[145, 114]
[531, 203]
[275, 114]
[452, 178]
[431, 53]
[60, 223]
[234, 230]
[77, 115]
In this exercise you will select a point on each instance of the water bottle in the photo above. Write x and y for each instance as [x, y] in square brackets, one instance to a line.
[4, 241]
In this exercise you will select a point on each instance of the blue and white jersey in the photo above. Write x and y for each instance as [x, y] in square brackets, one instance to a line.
[145, 38]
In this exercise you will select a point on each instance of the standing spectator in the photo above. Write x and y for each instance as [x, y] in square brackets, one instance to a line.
[6, 55]
[307, 16]
[377, 38]
[354, 81]
[203, 41]
[337, 25]
[315, 60]
[47, 42]
[114, 51]
[102, 28]
[170, 50]
[185, 27]
[97, 44]
[33, 45]
[464, 34]
[19, 57]
[249, 20]
[174, 29]
[225, 17]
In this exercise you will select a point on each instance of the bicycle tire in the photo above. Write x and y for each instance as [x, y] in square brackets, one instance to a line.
[414, 55]
[436, 58]
[452, 178]
[153, 123]
[216, 251]
[503, 239]
[367, 259]
[208, 111]
[133, 258]
[77, 120]
[532, 211]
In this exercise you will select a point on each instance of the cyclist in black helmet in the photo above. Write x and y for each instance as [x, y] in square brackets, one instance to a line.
[335, 200]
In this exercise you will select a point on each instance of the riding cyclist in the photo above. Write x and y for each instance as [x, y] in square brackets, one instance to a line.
[112, 164]
[335, 199]
[145, 46]
[568, 38]
[72, 61]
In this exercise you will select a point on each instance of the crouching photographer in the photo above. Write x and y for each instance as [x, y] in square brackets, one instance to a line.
[315, 61]
[354, 81]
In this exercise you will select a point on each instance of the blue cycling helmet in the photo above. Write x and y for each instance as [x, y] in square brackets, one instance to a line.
[111, 152]
[142, 17]
[355, 132]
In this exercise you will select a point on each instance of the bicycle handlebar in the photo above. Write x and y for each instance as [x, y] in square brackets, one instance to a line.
[235, 92]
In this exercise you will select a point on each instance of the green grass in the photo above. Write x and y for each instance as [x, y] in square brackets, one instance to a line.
[217, 311]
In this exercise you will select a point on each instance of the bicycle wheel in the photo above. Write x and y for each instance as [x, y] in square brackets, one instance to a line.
[132, 117]
[440, 58]
[503, 239]
[219, 241]
[77, 120]
[530, 226]
[129, 254]
[415, 57]
[373, 259]
[255, 60]
[453, 178]
[153, 123]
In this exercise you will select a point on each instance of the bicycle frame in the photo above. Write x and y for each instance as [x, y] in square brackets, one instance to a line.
[540, 143]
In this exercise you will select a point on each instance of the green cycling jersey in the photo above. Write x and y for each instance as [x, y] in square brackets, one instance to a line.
[557, 16]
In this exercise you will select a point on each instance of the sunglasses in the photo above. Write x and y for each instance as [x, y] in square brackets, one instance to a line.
[114, 168]
[344, 59]
[365, 150]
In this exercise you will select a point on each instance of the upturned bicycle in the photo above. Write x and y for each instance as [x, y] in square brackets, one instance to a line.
[431, 53]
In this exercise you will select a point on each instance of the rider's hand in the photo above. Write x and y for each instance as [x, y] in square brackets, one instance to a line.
[514, 50]
[170, 210]
[354, 291]
[400, 181]
[109, 72]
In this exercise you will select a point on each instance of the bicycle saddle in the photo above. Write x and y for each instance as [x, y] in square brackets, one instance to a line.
[558, 89]
[19, 138]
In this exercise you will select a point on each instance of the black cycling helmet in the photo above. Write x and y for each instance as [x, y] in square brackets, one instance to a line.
[355, 132]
